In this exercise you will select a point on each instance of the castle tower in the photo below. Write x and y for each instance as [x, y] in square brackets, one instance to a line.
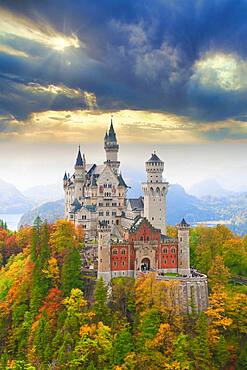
[111, 148]
[104, 251]
[80, 171]
[155, 190]
[65, 180]
[183, 248]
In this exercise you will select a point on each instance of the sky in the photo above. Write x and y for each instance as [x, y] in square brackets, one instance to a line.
[172, 74]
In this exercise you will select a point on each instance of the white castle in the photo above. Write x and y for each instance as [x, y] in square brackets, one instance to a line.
[97, 193]
[131, 233]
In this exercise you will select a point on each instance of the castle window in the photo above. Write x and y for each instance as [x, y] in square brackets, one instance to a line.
[107, 213]
[165, 262]
[141, 238]
[123, 251]
[114, 204]
[173, 250]
[114, 213]
[147, 238]
[165, 250]
[83, 217]
[115, 263]
[109, 185]
[101, 213]
[115, 251]
[100, 204]
[173, 261]
[123, 263]
[105, 185]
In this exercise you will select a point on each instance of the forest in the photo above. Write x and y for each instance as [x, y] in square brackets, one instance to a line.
[49, 321]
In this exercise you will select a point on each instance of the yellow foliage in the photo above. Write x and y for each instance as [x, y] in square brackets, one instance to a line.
[216, 313]
[52, 272]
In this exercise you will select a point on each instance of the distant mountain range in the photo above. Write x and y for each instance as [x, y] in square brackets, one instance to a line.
[209, 187]
[12, 200]
[223, 205]
[50, 211]
[44, 193]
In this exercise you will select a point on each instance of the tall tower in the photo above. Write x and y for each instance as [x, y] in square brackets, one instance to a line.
[111, 148]
[80, 172]
[155, 190]
[183, 248]
[104, 251]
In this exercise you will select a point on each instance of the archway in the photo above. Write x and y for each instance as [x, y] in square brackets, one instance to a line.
[145, 264]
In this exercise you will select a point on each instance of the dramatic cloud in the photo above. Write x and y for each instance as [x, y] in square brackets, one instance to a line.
[186, 61]
[12, 25]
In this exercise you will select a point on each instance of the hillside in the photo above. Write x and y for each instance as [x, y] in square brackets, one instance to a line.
[12, 200]
[44, 193]
[50, 321]
[50, 211]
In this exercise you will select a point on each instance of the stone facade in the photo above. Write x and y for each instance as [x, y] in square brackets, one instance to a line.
[131, 233]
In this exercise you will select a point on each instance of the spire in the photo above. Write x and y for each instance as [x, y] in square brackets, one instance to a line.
[106, 136]
[112, 134]
[79, 161]
[154, 158]
[65, 178]
[183, 224]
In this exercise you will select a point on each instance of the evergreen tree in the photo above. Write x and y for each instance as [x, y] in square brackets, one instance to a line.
[41, 253]
[71, 272]
[100, 306]
[122, 345]
[200, 345]
[221, 354]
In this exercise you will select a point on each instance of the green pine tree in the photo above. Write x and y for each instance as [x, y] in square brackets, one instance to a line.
[71, 272]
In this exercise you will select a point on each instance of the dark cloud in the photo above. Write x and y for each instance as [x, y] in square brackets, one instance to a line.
[134, 54]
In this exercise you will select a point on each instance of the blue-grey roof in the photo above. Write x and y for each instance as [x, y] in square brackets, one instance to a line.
[76, 205]
[79, 161]
[121, 181]
[183, 223]
[65, 176]
[112, 135]
[154, 158]
[136, 203]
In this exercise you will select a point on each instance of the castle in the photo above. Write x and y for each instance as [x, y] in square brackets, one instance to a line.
[131, 233]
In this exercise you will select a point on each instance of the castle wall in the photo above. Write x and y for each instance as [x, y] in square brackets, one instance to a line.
[192, 294]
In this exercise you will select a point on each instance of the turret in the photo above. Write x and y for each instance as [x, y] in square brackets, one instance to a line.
[111, 148]
[65, 179]
[104, 251]
[80, 172]
[183, 248]
[155, 190]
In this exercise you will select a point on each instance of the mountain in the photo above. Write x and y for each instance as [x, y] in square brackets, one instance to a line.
[44, 193]
[50, 211]
[180, 204]
[12, 200]
[209, 187]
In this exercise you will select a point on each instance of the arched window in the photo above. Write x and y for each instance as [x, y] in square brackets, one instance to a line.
[141, 238]
[165, 250]
[165, 262]
[115, 251]
[173, 250]
[123, 263]
[173, 261]
[148, 238]
[123, 251]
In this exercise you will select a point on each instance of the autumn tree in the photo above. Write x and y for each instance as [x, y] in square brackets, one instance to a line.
[100, 305]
